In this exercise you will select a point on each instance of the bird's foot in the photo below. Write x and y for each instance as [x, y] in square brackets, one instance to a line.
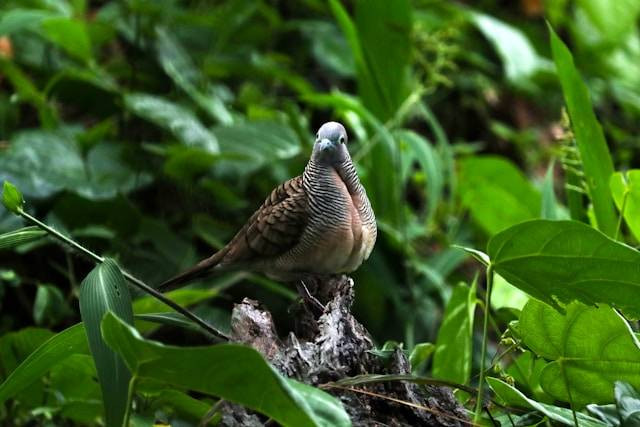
[308, 298]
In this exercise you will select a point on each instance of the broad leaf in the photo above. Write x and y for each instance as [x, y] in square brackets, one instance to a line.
[232, 372]
[513, 397]
[70, 34]
[562, 261]
[496, 192]
[105, 290]
[589, 349]
[452, 357]
[594, 153]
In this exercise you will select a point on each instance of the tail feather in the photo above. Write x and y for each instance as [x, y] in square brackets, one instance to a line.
[198, 271]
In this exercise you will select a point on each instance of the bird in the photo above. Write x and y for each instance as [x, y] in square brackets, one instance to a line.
[317, 224]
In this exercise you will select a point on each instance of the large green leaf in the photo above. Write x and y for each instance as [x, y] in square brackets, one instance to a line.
[452, 358]
[513, 397]
[232, 372]
[589, 348]
[177, 119]
[70, 34]
[496, 192]
[56, 349]
[105, 290]
[614, 19]
[23, 235]
[625, 188]
[594, 153]
[562, 261]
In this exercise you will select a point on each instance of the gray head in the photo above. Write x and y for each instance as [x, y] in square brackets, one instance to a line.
[331, 144]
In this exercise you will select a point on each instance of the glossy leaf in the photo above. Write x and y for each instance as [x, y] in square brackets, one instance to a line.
[18, 237]
[178, 120]
[232, 372]
[627, 186]
[589, 349]
[105, 290]
[514, 397]
[452, 357]
[496, 193]
[562, 261]
[594, 153]
[72, 340]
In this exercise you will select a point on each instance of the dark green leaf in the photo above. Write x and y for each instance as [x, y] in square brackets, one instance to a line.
[178, 120]
[23, 235]
[562, 261]
[50, 306]
[589, 349]
[12, 198]
[452, 357]
[57, 348]
[105, 290]
[594, 153]
[232, 372]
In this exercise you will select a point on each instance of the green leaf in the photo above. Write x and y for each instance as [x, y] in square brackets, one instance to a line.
[452, 357]
[178, 120]
[497, 194]
[76, 390]
[329, 47]
[615, 19]
[562, 261]
[551, 209]
[17, 19]
[383, 29]
[420, 354]
[627, 185]
[105, 290]
[526, 370]
[588, 348]
[232, 372]
[18, 237]
[512, 397]
[594, 153]
[518, 56]
[70, 34]
[12, 198]
[50, 306]
[56, 349]
[504, 294]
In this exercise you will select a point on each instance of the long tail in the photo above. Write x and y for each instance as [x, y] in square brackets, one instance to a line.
[200, 270]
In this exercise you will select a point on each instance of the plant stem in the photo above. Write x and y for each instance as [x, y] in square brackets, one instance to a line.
[216, 334]
[622, 208]
[483, 352]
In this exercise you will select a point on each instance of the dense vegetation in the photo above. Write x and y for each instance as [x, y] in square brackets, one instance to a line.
[497, 155]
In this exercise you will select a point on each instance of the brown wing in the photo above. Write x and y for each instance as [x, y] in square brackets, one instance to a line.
[274, 228]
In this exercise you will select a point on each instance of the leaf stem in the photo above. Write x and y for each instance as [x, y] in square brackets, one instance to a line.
[213, 332]
[483, 352]
[622, 208]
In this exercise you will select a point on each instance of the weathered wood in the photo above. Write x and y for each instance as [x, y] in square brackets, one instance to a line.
[331, 346]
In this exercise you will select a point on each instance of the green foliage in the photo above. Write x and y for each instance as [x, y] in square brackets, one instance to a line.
[148, 131]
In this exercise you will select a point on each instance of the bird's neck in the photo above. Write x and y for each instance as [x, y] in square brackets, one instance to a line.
[346, 170]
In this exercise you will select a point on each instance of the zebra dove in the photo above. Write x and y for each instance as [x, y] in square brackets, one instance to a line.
[316, 224]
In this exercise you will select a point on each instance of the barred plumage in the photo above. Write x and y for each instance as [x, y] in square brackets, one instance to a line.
[318, 223]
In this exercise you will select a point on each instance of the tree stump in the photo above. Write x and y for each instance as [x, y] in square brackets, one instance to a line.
[333, 345]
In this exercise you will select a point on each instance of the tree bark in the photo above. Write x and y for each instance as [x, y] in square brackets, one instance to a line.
[330, 345]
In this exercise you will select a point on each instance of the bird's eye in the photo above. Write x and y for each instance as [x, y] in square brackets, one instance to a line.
[318, 135]
[341, 140]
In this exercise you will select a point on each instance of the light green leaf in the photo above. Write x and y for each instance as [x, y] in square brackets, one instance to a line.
[562, 261]
[57, 348]
[518, 56]
[420, 354]
[452, 357]
[12, 198]
[70, 34]
[627, 185]
[178, 120]
[594, 153]
[18, 237]
[17, 19]
[615, 19]
[551, 209]
[105, 290]
[504, 294]
[497, 194]
[232, 372]
[513, 397]
[588, 348]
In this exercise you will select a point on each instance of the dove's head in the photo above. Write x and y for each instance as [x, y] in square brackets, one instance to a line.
[331, 144]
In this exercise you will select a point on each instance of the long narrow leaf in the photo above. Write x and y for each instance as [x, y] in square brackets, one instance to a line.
[17, 237]
[104, 290]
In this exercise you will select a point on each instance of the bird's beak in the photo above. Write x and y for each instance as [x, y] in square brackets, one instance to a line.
[326, 144]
